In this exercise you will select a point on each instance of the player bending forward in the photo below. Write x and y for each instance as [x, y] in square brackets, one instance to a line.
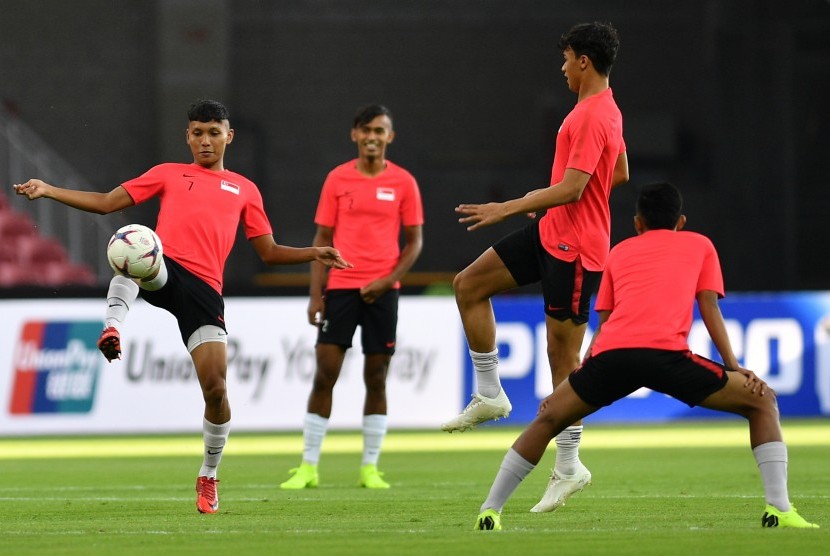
[201, 207]
[645, 304]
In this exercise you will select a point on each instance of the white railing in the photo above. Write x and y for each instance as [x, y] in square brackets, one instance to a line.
[24, 155]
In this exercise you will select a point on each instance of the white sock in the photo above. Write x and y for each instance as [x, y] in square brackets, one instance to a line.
[215, 437]
[487, 372]
[772, 462]
[567, 449]
[314, 431]
[513, 470]
[120, 296]
[374, 431]
[158, 282]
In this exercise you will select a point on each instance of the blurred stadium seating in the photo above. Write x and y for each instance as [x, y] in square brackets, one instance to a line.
[28, 258]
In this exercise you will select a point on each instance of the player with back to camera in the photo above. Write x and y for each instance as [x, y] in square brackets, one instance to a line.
[565, 249]
[364, 205]
[201, 207]
[645, 304]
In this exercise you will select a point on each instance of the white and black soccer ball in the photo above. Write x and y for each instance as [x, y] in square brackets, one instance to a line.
[134, 251]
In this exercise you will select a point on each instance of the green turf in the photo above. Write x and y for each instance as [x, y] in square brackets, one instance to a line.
[96, 496]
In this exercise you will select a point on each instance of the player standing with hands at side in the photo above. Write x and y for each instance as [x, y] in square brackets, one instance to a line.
[363, 206]
[645, 303]
[202, 205]
[565, 249]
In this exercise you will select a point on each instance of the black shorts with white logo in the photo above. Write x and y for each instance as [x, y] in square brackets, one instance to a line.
[345, 310]
[566, 286]
[188, 298]
[612, 375]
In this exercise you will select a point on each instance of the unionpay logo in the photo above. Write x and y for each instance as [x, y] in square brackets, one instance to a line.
[55, 367]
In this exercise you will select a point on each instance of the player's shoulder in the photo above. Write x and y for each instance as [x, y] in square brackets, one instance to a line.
[236, 176]
[399, 172]
[696, 238]
[343, 169]
[169, 167]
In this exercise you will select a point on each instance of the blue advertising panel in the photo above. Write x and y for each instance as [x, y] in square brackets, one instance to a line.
[782, 337]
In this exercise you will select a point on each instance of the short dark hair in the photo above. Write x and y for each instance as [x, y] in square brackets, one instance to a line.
[598, 41]
[206, 110]
[659, 205]
[369, 113]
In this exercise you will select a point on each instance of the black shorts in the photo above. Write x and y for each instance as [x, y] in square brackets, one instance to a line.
[566, 286]
[345, 310]
[188, 298]
[614, 374]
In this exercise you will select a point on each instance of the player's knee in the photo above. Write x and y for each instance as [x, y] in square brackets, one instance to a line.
[324, 381]
[214, 391]
[459, 285]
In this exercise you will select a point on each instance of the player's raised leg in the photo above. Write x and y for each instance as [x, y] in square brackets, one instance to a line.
[121, 294]
[474, 286]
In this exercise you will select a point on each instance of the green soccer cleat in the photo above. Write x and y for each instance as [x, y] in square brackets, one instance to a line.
[370, 477]
[304, 476]
[773, 517]
[488, 520]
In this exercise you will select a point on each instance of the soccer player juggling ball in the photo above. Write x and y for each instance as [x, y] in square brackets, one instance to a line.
[565, 249]
[645, 303]
[201, 207]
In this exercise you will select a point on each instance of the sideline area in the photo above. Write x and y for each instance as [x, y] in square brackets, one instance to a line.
[814, 432]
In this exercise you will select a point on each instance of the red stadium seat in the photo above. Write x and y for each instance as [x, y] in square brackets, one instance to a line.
[13, 274]
[38, 250]
[14, 225]
[66, 274]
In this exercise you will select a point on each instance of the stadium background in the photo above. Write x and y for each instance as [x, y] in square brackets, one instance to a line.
[724, 98]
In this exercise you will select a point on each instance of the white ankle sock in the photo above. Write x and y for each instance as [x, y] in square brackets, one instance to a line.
[487, 372]
[215, 437]
[772, 463]
[120, 297]
[567, 449]
[314, 431]
[513, 470]
[374, 431]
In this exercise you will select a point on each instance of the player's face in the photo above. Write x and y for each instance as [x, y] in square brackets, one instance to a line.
[372, 138]
[207, 141]
[572, 69]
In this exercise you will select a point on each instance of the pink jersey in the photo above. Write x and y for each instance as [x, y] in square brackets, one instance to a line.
[590, 140]
[199, 214]
[650, 284]
[367, 214]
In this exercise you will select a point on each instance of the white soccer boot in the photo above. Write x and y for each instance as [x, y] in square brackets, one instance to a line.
[561, 487]
[480, 409]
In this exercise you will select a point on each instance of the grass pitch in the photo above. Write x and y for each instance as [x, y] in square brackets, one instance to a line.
[680, 488]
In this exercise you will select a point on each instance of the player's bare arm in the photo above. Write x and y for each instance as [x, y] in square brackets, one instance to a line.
[409, 254]
[272, 253]
[89, 201]
[317, 284]
[712, 317]
[620, 175]
[569, 190]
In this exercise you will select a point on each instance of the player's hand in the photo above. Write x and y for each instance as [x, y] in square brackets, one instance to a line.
[481, 215]
[316, 307]
[33, 189]
[372, 291]
[330, 257]
[753, 382]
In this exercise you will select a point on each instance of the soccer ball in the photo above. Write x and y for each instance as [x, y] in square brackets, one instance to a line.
[134, 251]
